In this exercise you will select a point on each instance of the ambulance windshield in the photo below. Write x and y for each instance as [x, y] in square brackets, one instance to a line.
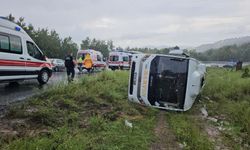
[114, 58]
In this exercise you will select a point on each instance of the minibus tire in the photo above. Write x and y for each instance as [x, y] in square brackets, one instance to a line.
[41, 76]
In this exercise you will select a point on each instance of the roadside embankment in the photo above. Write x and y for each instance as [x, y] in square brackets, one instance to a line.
[89, 114]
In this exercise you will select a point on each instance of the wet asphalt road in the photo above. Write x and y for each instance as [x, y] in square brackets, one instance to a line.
[10, 93]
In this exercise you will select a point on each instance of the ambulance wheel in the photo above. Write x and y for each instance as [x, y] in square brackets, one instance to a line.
[56, 69]
[43, 77]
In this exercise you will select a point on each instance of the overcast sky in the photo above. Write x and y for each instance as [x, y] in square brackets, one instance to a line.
[138, 23]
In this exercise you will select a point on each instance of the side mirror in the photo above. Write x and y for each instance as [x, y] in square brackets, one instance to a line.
[44, 57]
[104, 59]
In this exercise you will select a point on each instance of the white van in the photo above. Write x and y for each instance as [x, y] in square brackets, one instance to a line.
[57, 64]
[165, 81]
[119, 60]
[96, 57]
[20, 57]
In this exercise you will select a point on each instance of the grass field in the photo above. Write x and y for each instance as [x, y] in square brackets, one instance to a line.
[90, 114]
[227, 97]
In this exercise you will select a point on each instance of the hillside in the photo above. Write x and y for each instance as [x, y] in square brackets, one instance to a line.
[225, 53]
[227, 42]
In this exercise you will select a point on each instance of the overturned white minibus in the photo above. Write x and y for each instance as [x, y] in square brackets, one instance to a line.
[165, 81]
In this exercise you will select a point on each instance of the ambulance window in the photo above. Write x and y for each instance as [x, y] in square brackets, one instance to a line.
[125, 59]
[99, 58]
[114, 58]
[4, 43]
[15, 44]
[34, 52]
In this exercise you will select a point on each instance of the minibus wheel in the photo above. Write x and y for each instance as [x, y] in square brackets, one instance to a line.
[43, 76]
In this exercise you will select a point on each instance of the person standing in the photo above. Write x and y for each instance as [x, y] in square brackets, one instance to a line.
[80, 61]
[88, 63]
[70, 67]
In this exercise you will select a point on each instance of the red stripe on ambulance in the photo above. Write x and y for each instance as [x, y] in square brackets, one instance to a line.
[23, 63]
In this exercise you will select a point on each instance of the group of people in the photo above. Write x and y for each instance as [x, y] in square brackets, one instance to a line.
[84, 62]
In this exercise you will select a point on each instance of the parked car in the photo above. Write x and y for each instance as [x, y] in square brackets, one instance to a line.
[230, 65]
[20, 57]
[57, 64]
[165, 81]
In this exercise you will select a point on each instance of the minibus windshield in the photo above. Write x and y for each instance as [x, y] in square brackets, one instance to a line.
[167, 81]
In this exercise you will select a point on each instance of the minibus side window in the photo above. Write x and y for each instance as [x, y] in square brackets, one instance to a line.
[33, 51]
[15, 44]
[4, 43]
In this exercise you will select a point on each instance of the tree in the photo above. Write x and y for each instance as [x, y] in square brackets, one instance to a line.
[48, 41]
[165, 50]
[226, 53]
[110, 45]
[10, 17]
[99, 45]
[21, 22]
[68, 46]
[30, 30]
[85, 43]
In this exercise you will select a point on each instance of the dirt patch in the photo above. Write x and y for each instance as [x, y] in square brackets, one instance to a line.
[214, 135]
[9, 129]
[213, 132]
[165, 137]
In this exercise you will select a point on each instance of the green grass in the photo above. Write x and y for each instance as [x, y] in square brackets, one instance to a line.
[89, 114]
[229, 96]
[101, 134]
[188, 131]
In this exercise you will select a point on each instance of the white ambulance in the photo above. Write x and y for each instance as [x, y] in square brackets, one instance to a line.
[165, 81]
[20, 57]
[96, 57]
[119, 60]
